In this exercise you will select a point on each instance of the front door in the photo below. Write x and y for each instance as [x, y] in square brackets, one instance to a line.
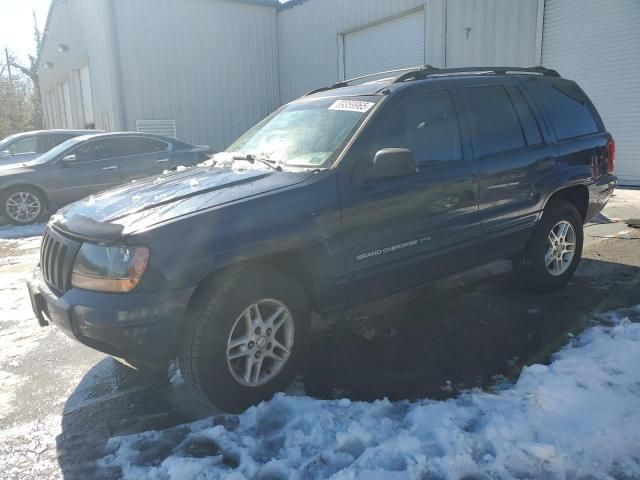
[511, 155]
[399, 231]
[93, 169]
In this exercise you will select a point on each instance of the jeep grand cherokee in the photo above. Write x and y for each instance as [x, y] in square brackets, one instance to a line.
[348, 193]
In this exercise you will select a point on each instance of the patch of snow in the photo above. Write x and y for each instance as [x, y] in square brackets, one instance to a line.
[578, 417]
[174, 374]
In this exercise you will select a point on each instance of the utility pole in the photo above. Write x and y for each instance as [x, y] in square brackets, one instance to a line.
[6, 54]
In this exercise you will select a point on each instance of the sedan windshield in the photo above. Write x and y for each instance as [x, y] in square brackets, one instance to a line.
[55, 151]
[306, 133]
[7, 140]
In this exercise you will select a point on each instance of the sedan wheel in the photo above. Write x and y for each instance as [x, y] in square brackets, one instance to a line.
[23, 207]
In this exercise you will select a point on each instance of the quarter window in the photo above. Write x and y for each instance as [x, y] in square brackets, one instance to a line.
[567, 107]
[494, 122]
[426, 124]
[127, 146]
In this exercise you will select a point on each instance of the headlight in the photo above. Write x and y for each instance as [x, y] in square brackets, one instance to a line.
[109, 268]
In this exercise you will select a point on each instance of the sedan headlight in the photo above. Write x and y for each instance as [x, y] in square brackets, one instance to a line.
[107, 268]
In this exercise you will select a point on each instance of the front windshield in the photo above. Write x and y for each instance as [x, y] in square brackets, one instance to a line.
[306, 133]
[55, 151]
[7, 140]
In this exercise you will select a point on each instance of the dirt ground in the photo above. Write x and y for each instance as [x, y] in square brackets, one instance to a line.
[61, 401]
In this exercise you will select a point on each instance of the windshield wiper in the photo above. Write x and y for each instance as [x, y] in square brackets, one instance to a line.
[253, 159]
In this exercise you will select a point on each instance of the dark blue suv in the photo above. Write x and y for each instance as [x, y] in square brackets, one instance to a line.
[348, 193]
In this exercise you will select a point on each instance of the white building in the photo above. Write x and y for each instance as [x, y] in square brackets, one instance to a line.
[206, 70]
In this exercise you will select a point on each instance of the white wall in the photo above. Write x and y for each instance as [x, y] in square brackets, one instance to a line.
[477, 32]
[82, 26]
[210, 65]
[492, 32]
[308, 37]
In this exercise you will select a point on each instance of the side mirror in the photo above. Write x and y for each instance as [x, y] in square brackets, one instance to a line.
[391, 163]
[5, 154]
[69, 159]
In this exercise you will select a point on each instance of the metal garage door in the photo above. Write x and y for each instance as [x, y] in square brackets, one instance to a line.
[597, 44]
[392, 44]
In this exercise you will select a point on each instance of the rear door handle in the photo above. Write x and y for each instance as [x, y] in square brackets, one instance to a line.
[112, 167]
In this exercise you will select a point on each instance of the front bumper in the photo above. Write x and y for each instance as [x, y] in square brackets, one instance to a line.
[141, 328]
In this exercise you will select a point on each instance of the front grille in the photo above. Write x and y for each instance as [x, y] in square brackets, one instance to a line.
[56, 259]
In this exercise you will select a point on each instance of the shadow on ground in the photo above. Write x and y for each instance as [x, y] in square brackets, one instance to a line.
[471, 330]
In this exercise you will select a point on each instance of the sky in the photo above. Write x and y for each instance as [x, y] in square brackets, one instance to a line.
[16, 25]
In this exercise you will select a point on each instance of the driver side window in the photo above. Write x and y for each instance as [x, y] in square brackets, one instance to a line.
[427, 125]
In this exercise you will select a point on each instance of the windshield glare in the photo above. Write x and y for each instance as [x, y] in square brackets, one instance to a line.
[306, 133]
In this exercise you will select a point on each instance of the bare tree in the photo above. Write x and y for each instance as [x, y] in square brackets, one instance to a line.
[31, 72]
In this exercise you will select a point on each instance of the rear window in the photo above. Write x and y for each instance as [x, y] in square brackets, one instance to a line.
[567, 107]
[495, 126]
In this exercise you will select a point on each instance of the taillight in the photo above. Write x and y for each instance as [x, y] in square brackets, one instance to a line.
[611, 155]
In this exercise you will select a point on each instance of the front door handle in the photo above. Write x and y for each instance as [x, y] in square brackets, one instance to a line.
[164, 160]
[112, 167]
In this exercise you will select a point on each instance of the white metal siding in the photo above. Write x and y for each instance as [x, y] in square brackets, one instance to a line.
[211, 65]
[491, 32]
[309, 37]
[393, 44]
[66, 91]
[86, 95]
[598, 44]
[81, 25]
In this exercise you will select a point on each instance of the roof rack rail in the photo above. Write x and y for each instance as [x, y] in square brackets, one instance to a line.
[424, 71]
[344, 83]
[429, 70]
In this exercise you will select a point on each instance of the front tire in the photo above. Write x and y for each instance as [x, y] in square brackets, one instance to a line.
[554, 251]
[23, 205]
[245, 338]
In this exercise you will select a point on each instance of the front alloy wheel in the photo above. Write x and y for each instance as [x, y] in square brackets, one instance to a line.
[23, 207]
[260, 342]
[246, 336]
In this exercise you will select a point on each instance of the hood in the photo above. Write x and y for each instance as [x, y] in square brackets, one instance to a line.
[142, 204]
[13, 168]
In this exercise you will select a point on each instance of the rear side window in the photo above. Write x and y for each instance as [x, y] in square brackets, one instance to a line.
[426, 124]
[567, 107]
[138, 146]
[494, 122]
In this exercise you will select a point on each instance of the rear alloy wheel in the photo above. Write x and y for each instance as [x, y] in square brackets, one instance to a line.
[554, 250]
[22, 206]
[245, 337]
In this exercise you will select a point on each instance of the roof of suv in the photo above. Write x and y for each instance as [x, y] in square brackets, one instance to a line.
[425, 72]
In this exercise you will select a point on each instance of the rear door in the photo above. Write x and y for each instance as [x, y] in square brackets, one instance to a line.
[512, 155]
[140, 156]
[398, 231]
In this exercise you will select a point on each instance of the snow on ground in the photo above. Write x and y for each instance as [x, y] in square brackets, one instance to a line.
[577, 418]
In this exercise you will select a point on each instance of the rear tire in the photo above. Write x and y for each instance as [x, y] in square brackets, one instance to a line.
[224, 314]
[554, 250]
[23, 205]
